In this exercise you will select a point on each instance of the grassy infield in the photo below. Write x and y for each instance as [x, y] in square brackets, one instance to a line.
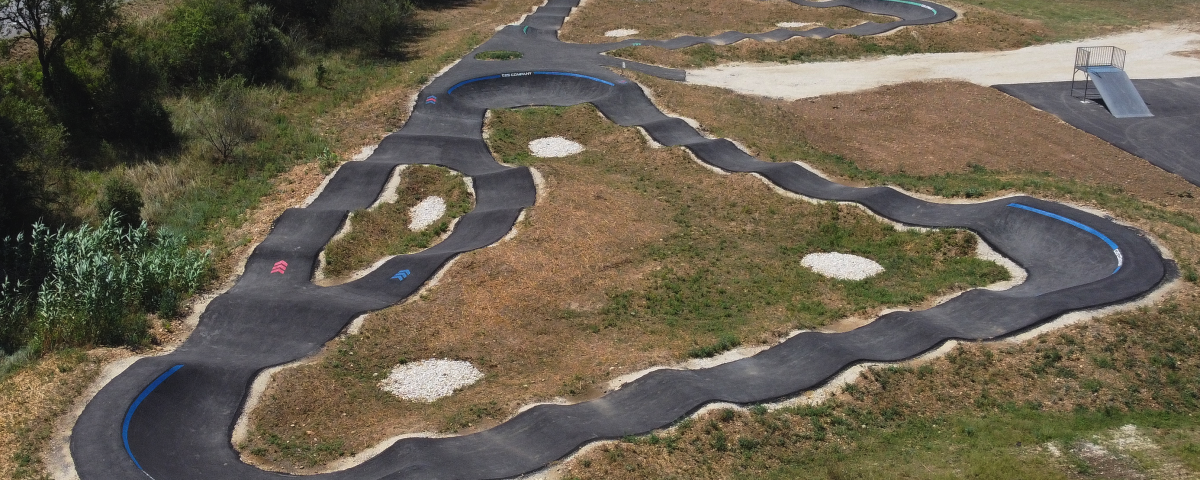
[965, 415]
[362, 245]
[220, 196]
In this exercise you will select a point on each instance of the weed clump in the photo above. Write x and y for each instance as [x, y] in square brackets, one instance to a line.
[725, 343]
[498, 55]
[92, 285]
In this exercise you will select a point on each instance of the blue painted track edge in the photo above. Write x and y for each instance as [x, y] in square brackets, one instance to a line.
[1116, 249]
[508, 75]
[133, 407]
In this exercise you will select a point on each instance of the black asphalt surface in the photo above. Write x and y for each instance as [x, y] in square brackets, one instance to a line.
[1170, 139]
[171, 417]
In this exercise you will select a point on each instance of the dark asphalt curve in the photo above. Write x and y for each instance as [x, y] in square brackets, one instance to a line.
[171, 417]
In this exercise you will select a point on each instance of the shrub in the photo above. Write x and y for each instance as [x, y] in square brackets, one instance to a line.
[228, 119]
[30, 143]
[128, 111]
[121, 197]
[205, 40]
[379, 24]
[91, 286]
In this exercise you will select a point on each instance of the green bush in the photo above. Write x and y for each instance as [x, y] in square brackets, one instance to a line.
[30, 143]
[122, 198]
[92, 286]
[205, 40]
[381, 25]
[378, 24]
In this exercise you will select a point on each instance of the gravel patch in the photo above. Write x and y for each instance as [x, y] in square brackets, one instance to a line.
[841, 266]
[554, 147]
[620, 32]
[423, 214]
[429, 380]
[793, 24]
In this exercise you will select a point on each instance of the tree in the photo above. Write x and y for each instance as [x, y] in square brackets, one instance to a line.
[52, 24]
[229, 119]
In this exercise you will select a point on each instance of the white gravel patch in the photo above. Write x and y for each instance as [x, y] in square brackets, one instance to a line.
[842, 266]
[554, 147]
[793, 24]
[621, 32]
[423, 214]
[429, 380]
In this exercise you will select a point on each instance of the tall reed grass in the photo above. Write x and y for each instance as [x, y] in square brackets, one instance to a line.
[92, 285]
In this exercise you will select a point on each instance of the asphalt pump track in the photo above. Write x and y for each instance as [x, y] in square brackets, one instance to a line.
[172, 416]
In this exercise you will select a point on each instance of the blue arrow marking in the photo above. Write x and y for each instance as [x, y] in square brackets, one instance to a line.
[401, 275]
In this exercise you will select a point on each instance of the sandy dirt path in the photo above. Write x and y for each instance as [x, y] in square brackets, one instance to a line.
[1152, 53]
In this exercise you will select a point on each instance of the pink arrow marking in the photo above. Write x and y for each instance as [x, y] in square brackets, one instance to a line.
[280, 267]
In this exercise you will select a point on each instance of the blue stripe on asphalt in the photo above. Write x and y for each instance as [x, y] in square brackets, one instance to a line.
[138, 401]
[922, 5]
[565, 74]
[1116, 249]
[464, 82]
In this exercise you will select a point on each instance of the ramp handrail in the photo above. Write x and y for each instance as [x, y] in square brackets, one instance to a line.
[1091, 57]
[1099, 57]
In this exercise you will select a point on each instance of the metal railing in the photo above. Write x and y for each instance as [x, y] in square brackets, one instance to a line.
[1090, 57]
[1099, 57]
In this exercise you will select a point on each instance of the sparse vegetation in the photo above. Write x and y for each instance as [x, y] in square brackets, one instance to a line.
[635, 257]
[961, 414]
[92, 286]
[498, 55]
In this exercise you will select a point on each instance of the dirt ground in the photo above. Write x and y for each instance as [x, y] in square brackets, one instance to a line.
[928, 128]
[905, 128]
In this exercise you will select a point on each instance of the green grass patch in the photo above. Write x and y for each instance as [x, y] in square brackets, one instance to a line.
[498, 55]
[725, 343]
[384, 231]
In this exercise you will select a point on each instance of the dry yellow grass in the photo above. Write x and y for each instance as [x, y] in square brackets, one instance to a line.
[563, 307]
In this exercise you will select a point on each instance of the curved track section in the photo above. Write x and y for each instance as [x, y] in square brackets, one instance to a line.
[908, 12]
[171, 417]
